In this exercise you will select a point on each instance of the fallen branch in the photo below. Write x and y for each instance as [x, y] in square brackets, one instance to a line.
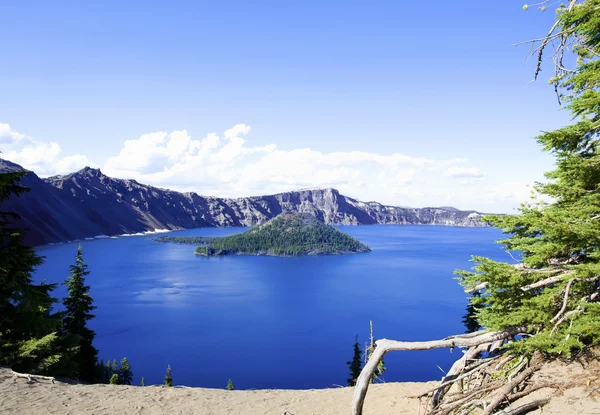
[506, 389]
[30, 378]
[526, 407]
[385, 345]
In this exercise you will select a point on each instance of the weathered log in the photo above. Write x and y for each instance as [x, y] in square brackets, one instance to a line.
[30, 378]
[385, 345]
[526, 407]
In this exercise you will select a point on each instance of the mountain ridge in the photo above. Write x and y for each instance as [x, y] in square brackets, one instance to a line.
[88, 203]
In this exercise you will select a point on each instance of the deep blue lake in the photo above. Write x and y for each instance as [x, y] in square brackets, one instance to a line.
[268, 322]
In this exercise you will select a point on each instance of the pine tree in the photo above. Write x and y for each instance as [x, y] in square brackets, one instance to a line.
[355, 364]
[168, 377]
[230, 385]
[107, 372]
[559, 238]
[143, 382]
[125, 374]
[114, 379]
[78, 308]
[29, 330]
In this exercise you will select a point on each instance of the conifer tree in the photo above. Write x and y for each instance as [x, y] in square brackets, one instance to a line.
[553, 292]
[29, 338]
[125, 374]
[114, 379]
[143, 383]
[230, 385]
[168, 377]
[355, 364]
[78, 308]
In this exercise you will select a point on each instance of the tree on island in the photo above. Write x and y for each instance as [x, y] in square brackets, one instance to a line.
[355, 364]
[168, 377]
[78, 308]
[546, 305]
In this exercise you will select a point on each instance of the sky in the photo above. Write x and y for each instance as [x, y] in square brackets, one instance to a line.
[405, 103]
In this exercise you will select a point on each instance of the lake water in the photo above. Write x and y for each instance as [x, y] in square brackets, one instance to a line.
[268, 322]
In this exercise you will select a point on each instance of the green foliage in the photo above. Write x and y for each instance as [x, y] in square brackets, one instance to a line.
[121, 373]
[168, 377]
[30, 339]
[143, 383]
[559, 237]
[78, 308]
[287, 234]
[355, 364]
[187, 240]
[125, 374]
[229, 385]
[470, 318]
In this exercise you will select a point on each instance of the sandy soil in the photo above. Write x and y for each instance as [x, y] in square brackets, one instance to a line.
[19, 397]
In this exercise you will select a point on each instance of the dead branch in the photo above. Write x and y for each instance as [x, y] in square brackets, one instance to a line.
[30, 378]
[526, 407]
[506, 389]
[539, 284]
[565, 300]
[385, 345]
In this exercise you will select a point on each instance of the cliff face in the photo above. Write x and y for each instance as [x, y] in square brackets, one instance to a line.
[88, 203]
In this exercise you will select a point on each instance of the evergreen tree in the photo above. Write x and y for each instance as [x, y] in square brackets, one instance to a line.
[168, 377]
[355, 364]
[29, 330]
[125, 374]
[470, 317]
[107, 373]
[143, 382]
[114, 379]
[78, 308]
[230, 385]
[559, 239]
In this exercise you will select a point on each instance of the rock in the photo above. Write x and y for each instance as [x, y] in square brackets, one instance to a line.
[88, 203]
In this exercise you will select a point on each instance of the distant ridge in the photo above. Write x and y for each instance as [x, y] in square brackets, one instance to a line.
[88, 203]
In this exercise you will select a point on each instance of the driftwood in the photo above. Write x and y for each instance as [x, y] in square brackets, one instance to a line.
[526, 407]
[30, 378]
[385, 345]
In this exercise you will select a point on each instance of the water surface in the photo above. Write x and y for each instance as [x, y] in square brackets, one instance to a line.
[269, 322]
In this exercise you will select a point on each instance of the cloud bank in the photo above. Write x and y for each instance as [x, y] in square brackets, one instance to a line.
[229, 165]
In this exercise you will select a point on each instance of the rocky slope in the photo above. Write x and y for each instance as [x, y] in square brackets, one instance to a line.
[89, 203]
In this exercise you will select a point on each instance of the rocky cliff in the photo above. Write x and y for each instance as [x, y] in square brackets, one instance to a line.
[89, 203]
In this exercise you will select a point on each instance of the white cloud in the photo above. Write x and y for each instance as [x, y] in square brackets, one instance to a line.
[229, 165]
[43, 158]
[463, 172]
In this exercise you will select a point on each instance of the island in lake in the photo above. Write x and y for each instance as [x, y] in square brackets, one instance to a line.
[289, 234]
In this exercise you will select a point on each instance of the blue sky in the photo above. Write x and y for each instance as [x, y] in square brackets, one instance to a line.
[406, 103]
